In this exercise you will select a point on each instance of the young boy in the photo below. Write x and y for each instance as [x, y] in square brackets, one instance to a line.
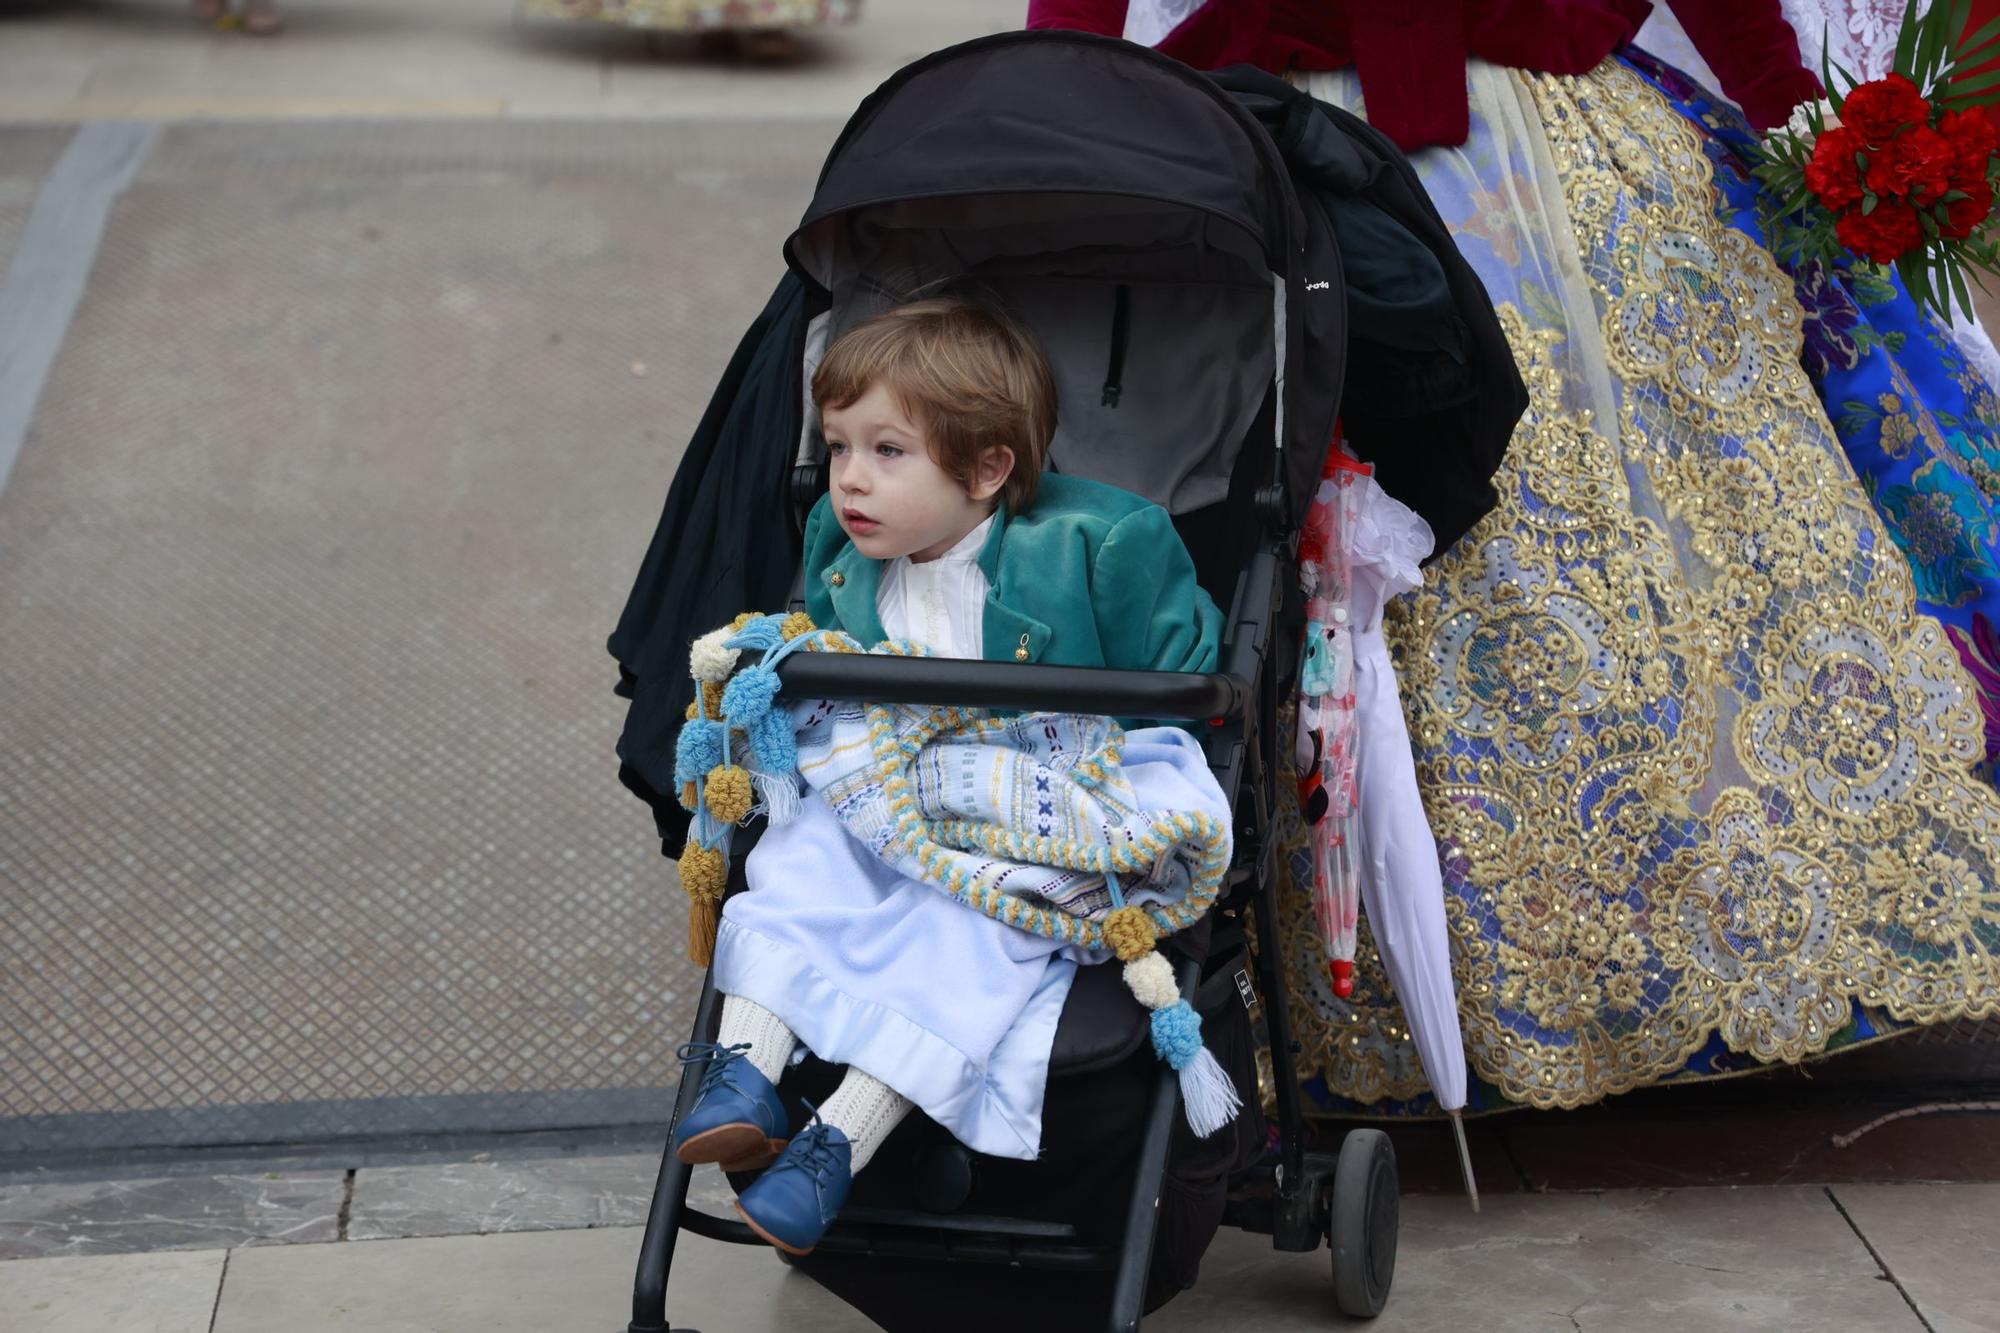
[940, 527]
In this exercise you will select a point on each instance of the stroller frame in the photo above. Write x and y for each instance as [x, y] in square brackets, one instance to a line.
[926, 186]
[1350, 1198]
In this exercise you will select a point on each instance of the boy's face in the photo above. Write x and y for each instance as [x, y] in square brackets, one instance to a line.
[889, 493]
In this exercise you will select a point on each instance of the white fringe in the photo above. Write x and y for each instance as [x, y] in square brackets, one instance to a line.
[1207, 1096]
[778, 797]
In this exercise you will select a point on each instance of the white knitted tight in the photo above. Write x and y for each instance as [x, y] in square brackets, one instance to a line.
[863, 1107]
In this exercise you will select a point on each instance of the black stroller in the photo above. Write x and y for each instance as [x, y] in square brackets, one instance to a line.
[1143, 220]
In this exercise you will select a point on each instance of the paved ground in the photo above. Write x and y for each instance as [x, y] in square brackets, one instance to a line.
[1911, 1258]
[347, 437]
[333, 494]
[68, 60]
[1728, 1217]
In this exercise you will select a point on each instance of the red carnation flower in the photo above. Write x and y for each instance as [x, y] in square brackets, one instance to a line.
[1973, 138]
[1883, 235]
[1832, 173]
[1882, 108]
[1915, 166]
[1966, 214]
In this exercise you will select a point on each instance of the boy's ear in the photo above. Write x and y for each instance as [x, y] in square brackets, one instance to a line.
[991, 473]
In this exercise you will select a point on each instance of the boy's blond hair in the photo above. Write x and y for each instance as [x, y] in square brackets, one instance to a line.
[974, 379]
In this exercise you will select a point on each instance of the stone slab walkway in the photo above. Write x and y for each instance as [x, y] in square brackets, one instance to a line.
[1817, 1259]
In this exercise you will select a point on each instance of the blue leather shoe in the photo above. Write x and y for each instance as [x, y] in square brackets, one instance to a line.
[793, 1203]
[738, 1120]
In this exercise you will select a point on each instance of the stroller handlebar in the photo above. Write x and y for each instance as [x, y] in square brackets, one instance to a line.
[1179, 695]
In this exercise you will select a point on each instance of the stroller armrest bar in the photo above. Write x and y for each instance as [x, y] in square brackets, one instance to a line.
[977, 684]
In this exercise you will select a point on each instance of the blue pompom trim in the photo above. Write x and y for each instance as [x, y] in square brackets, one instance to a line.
[746, 700]
[698, 749]
[773, 744]
[1177, 1034]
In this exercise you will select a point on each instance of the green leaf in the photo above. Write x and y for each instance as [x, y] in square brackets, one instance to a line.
[1958, 287]
[1975, 83]
[1947, 19]
[1957, 12]
[1984, 37]
[1916, 282]
[1868, 202]
[1847, 74]
[1906, 42]
[1835, 95]
[1929, 41]
[1946, 22]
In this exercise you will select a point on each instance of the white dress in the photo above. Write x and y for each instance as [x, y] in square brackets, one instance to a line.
[952, 1009]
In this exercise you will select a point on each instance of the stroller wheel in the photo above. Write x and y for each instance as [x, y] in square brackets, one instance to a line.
[1362, 1223]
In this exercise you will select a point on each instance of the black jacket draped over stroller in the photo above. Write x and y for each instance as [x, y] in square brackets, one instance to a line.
[1218, 267]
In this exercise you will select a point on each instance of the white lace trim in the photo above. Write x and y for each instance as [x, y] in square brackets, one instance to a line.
[940, 603]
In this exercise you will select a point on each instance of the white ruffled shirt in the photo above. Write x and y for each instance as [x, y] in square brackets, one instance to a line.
[940, 603]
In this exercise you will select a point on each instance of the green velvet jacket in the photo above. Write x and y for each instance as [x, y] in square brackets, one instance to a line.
[1090, 576]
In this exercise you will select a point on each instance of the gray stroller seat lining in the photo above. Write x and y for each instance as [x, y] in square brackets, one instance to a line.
[1155, 397]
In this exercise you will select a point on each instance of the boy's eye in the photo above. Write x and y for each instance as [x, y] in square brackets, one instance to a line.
[836, 447]
[888, 451]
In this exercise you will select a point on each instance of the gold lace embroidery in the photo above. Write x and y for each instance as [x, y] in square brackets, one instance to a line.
[1694, 761]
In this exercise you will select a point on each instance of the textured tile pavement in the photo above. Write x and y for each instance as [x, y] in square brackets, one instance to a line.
[329, 502]
[1794, 1259]
[333, 495]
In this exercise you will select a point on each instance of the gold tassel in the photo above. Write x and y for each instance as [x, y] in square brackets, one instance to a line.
[704, 874]
[703, 922]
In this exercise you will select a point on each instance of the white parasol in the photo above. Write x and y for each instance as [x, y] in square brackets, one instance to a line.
[1396, 856]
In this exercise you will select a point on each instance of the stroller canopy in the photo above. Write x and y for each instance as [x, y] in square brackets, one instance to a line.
[1118, 203]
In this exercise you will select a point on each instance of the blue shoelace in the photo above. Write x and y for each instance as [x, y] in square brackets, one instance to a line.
[814, 1146]
[721, 1061]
